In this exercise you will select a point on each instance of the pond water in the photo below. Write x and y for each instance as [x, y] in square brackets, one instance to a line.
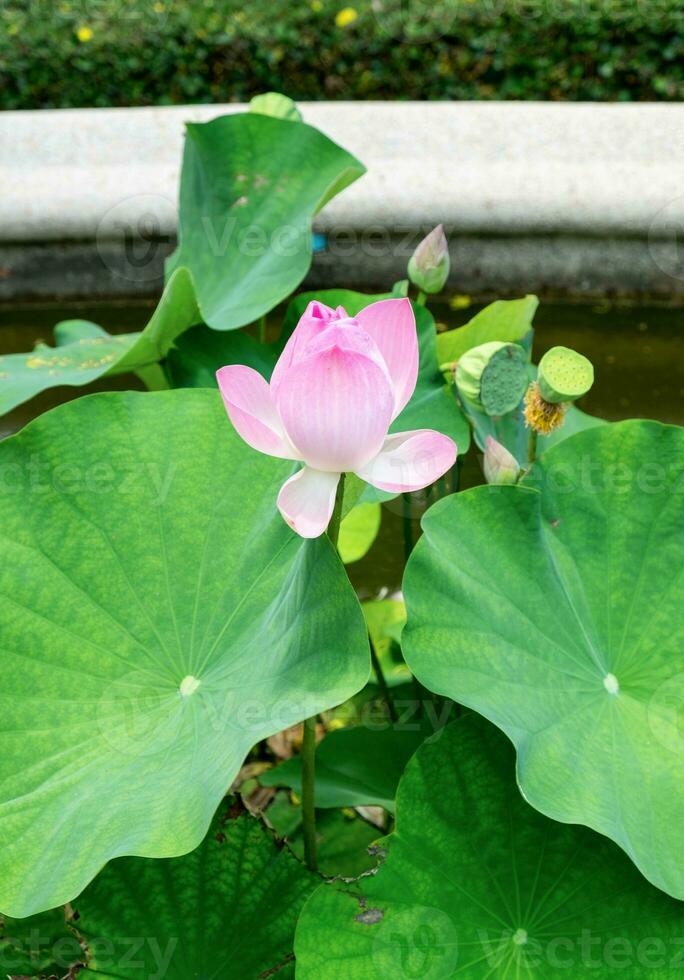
[637, 351]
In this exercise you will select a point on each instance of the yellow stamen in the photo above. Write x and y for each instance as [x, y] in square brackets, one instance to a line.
[542, 416]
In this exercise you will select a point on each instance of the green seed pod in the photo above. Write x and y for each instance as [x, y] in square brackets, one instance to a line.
[276, 105]
[492, 378]
[564, 375]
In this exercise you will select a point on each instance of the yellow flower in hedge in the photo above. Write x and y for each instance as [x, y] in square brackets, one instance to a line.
[84, 34]
[345, 17]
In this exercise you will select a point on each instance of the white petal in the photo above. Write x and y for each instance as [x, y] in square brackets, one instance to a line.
[410, 461]
[307, 499]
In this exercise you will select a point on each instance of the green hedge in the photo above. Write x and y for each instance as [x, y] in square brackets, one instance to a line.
[172, 51]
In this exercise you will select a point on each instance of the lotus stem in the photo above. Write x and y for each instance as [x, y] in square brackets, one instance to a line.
[336, 519]
[153, 377]
[421, 298]
[407, 525]
[309, 739]
[262, 329]
[532, 446]
[381, 679]
[309, 794]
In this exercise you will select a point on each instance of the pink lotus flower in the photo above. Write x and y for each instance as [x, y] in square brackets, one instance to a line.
[338, 385]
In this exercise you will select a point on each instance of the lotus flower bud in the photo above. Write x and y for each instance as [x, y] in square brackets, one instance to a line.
[276, 105]
[564, 375]
[500, 466]
[428, 267]
[492, 378]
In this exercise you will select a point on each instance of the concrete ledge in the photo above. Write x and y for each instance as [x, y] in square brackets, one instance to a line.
[579, 197]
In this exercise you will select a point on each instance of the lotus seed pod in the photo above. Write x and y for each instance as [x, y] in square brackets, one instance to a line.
[428, 267]
[276, 105]
[492, 378]
[500, 467]
[564, 375]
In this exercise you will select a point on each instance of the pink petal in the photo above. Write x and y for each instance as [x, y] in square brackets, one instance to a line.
[250, 407]
[306, 501]
[312, 321]
[410, 461]
[336, 407]
[347, 335]
[392, 325]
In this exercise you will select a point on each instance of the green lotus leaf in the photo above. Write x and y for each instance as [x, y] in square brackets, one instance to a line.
[250, 187]
[358, 531]
[229, 909]
[198, 354]
[40, 946]
[476, 884]
[355, 766]
[158, 619]
[554, 608]
[508, 321]
[86, 352]
[344, 838]
[277, 105]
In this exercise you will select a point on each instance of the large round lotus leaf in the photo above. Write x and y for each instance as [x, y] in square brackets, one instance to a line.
[476, 885]
[157, 619]
[228, 910]
[555, 608]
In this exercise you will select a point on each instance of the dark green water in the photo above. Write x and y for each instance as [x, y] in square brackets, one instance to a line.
[637, 352]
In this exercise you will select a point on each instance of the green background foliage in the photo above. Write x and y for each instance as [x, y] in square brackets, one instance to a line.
[169, 52]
